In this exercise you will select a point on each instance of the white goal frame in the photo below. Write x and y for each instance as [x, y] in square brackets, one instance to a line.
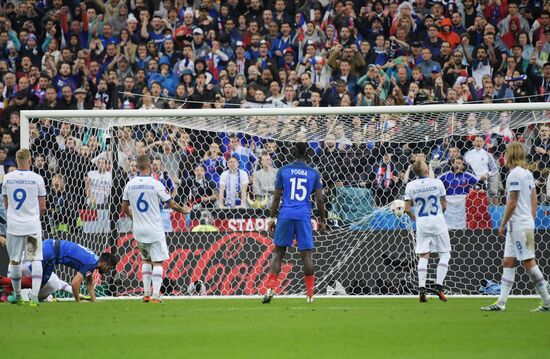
[134, 116]
[111, 119]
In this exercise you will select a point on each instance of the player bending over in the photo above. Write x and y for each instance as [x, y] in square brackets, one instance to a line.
[25, 200]
[54, 283]
[295, 183]
[142, 200]
[427, 197]
[83, 260]
[519, 225]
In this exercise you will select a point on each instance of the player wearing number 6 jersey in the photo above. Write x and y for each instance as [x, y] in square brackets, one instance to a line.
[295, 183]
[426, 196]
[142, 200]
[25, 199]
[519, 225]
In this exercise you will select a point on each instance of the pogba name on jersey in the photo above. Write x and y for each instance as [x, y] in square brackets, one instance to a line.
[298, 172]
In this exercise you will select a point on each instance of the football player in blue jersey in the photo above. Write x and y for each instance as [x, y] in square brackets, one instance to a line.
[294, 184]
[83, 260]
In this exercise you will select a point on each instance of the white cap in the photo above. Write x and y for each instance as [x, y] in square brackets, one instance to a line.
[131, 17]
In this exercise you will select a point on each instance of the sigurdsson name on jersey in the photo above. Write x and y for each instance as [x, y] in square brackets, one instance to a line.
[425, 189]
[141, 187]
[298, 172]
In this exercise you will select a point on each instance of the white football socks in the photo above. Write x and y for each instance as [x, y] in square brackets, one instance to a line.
[36, 279]
[442, 267]
[14, 273]
[157, 280]
[422, 272]
[146, 273]
[506, 284]
[540, 284]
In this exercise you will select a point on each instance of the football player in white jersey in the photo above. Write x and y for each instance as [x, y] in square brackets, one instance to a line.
[518, 224]
[425, 203]
[142, 200]
[25, 200]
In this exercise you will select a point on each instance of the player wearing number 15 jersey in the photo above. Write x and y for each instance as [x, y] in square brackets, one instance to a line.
[295, 183]
[24, 197]
[142, 199]
[425, 203]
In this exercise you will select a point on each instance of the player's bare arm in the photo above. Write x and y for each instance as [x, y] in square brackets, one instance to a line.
[221, 203]
[126, 208]
[75, 285]
[274, 207]
[534, 202]
[6, 202]
[511, 205]
[91, 287]
[409, 211]
[179, 208]
[321, 209]
[443, 203]
[42, 205]
[3, 241]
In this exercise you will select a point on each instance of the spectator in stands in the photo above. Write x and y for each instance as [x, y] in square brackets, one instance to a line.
[198, 191]
[457, 185]
[214, 162]
[484, 166]
[98, 185]
[243, 154]
[233, 186]
[386, 181]
[263, 182]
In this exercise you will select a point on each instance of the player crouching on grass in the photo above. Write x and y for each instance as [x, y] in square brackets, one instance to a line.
[427, 197]
[53, 284]
[295, 183]
[142, 199]
[83, 260]
[519, 226]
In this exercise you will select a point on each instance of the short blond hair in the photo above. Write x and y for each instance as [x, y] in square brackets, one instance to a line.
[22, 156]
[515, 155]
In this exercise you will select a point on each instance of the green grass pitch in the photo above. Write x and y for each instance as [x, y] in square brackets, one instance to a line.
[286, 328]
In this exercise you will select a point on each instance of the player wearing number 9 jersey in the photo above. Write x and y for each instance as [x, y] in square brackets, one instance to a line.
[425, 203]
[142, 200]
[24, 197]
[295, 183]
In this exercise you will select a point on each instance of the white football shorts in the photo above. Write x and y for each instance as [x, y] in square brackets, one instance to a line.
[520, 243]
[433, 243]
[154, 252]
[28, 245]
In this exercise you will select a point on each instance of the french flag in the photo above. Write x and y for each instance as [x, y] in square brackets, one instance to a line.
[303, 27]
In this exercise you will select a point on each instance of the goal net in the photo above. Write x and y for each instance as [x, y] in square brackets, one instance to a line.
[364, 155]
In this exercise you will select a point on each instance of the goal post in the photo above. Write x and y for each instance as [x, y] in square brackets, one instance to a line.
[363, 154]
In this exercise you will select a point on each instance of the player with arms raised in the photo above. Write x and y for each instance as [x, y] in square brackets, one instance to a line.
[519, 225]
[25, 200]
[425, 203]
[295, 183]
[142, 200]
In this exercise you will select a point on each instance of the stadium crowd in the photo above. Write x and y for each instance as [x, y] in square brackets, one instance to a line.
[139, 54]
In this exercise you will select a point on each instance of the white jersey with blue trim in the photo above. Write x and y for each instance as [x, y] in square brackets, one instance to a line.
[146, 195]
[424, 195]
[22, 189]
[521, 180]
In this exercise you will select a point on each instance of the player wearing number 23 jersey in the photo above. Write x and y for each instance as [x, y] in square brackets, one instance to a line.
[425, 203]
[424, 195]
[298, 181]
